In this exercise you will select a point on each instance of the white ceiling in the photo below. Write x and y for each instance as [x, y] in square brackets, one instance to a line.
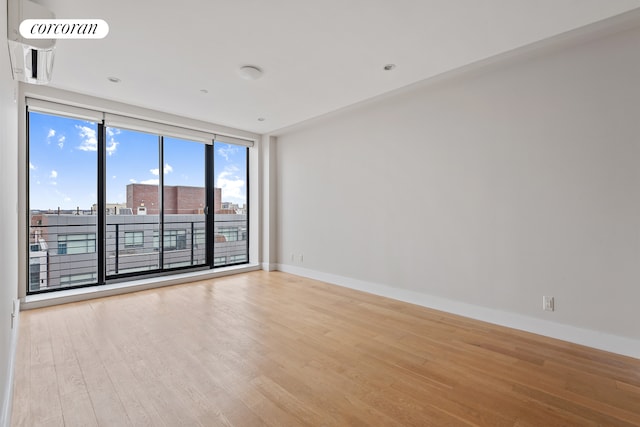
[317, 56]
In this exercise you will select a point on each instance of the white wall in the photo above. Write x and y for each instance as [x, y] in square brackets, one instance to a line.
[8, 210]
[491, 188]
[268, 214]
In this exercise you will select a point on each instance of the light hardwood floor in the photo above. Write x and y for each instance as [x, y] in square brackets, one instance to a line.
[276, 349]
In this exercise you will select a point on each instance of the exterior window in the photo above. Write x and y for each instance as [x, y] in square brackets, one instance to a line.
[237, 258]
[34, 276]
[219, 261]
[77, 279]
[230, 233]
[133, 239]
[73, 244]
[175, 240]
[199, 238]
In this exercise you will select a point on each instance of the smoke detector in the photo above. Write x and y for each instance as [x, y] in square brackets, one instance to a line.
[250, 72]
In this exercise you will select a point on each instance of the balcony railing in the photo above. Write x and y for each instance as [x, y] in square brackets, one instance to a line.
[133, 247]
[64, 254]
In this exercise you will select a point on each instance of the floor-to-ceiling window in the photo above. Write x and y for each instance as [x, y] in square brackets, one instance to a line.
[118, 197]
[62, 201]
[132, 203]
[184, 202]
[231, 225]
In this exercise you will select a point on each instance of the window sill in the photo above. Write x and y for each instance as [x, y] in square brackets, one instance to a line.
[73, 295]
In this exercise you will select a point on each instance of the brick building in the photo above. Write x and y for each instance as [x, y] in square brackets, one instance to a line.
[178, 199]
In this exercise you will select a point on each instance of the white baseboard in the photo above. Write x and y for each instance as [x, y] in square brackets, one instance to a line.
[587, 337]
[5, 414]
[269, 267]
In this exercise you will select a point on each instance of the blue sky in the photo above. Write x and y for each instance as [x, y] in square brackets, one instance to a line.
[63, 157]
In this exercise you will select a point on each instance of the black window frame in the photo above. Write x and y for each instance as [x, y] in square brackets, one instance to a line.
[100, 234]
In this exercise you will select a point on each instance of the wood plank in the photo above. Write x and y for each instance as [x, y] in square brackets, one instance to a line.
[276, 349]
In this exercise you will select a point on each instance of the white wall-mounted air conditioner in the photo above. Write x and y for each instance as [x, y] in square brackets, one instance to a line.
[31, 59]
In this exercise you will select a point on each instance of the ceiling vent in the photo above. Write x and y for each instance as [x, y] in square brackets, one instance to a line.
[31, 59]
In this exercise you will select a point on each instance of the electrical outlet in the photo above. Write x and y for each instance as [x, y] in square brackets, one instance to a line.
[548, 303]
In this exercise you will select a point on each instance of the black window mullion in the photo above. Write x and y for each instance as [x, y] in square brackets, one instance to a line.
[210, 208]
[101, 202]
[246, 205]
[28, 187]
[161, 200]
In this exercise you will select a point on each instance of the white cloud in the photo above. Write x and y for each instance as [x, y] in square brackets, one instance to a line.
[226, 150]
[150, 181]
[231, 168]
[113, 177]
[51, 134]
[52, 176]
[32, 166]
[133, 181]
[89, 139]
[61, 141]
[112, 145]
[232, 187]
[167, 169]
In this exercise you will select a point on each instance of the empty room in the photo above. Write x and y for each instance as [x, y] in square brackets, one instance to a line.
[336, 213]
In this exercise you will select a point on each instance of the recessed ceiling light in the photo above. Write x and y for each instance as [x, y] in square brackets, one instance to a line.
[261, 119]
[250, 72]
[113, 79]
[389, 67]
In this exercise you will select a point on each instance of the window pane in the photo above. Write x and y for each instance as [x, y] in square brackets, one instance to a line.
[62, 201]
[184, 203]
[133, 238]
[133, 205]
[78, 243]
[231, 225]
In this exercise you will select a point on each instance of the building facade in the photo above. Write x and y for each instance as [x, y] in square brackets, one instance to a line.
[178, 199]
[63, 249]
